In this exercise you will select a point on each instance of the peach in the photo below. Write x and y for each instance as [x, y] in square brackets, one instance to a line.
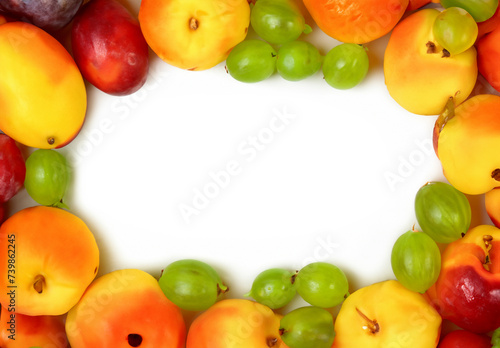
[419, 75]
[236, 323]
[467, 144]
[122, 309]
[193, 34]
[48, 257]
[21, 331]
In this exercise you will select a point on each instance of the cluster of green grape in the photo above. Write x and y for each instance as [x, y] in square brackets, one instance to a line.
[47, 177]
[444, 215]
[321, 284]
[455, 28]
[194, 285]
[279, 23]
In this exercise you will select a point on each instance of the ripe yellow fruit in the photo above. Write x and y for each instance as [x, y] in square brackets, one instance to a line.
[42, 92]
[193, 34]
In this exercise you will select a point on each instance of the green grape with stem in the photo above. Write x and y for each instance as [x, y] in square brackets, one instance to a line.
[251, 61]
[416, 261]
[47, 177]
[442, 211]
[322, 284]
[345, 65]
[191, 284]
[307, 327]
[273, 287]
[455, 30]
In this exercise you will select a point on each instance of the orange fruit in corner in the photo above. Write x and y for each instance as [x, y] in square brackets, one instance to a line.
[356, 21]
[48, 257]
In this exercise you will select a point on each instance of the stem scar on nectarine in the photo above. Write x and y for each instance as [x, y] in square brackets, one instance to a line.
[372, 324]
[496, 174]
[193, 23]
[51, 140]
[39, 283]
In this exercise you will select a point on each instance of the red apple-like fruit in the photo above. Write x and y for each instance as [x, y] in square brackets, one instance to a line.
[488, 55]
[109, 48]
[12, 168]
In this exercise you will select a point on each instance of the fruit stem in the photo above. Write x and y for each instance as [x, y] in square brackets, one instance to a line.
[222, 288]
[373, 326]
[307, 29]
[447, 114]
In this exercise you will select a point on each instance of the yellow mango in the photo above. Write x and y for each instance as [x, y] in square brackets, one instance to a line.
[43, 99]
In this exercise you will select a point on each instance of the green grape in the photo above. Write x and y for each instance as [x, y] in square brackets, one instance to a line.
[416, 261]
[307, 327]
[278, 21]
[345, 65]
[322, 284]
[191, 284]
[47, 176]
[455, 30]
[298, 60]
[442, 212]
[273, 287]
[251, 61]
[480, 10]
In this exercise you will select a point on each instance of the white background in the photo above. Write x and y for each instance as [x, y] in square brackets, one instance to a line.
[335, 182]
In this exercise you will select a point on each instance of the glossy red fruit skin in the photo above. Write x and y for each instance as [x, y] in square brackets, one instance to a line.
[12, 168]
[488, 56]
[109, 48]
[464, 339]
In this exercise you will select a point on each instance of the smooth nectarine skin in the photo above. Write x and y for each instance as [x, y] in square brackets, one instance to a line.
[21, 331]
[123, 308]
[468, 145]
[109, 48]
[54, 257]
[236, 323]
[193, 34]
[417, 75]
